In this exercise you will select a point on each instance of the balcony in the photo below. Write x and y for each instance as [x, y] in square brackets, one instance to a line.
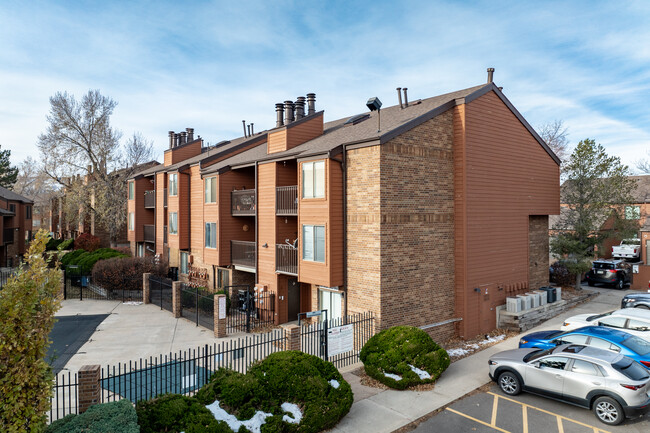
[8, 235]
[150, 233]
[242, 253]
[243, 202]
[165, 234]
[286, 200]
[286, 259]
[150, 199]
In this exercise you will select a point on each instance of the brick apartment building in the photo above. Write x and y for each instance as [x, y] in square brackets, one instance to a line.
[15, 226]
[428, 214]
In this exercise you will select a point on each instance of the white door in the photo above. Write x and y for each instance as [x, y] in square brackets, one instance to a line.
[331, 301]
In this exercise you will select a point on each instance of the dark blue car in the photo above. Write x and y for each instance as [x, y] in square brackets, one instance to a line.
[596, 336]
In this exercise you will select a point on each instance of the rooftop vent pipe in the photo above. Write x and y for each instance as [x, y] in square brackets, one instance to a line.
[243, 122]
[252, 130]
[300, 107]
[288, 112]
[183, 137]
[177, 138]
[190, 134]
[279, 113]
[406, 98]
[171, 139]
[399, 97]
[311, 103]
[490, 72]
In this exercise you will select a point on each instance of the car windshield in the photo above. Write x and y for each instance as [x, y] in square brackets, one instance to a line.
[631, 369]
[631, 242]
[532, 356]
[637, 345]
[598, 316]
[604, 265]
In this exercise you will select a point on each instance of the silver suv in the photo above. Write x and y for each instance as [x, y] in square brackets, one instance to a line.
[612, 385]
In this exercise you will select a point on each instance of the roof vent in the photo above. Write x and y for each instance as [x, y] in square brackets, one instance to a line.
[357, 119]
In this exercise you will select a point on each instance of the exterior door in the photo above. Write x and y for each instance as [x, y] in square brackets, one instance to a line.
[548, 376]
[293, 296]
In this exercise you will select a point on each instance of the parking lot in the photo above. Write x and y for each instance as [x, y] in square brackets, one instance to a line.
[493, 411]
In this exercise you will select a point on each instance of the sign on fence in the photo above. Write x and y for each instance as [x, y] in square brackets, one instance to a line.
[340, 340]
[222, 307]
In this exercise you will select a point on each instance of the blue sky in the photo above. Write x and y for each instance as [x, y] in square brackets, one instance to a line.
[211, 64]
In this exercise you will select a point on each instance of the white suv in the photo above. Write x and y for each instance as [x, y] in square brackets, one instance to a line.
[631, 320]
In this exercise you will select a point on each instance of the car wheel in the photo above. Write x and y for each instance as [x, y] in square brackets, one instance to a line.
[608, 411]
[620, 284]
[509, 383]
[645, 307]
[591, 283]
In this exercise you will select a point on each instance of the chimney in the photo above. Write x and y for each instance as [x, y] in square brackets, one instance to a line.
[399, 97]
[406, 98]
[288, 112]
[171, 139]
[490, 72]
[252, 129]
[311, 103]
[243, 122]
[183, 137]
[177, 138]
[190, 134]
[279, 113]
[300, 107]
[249, 131]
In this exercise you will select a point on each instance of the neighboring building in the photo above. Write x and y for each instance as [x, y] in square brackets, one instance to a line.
[15, 227]
[429, 218]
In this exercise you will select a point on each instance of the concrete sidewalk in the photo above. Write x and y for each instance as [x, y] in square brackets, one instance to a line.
[383, 411]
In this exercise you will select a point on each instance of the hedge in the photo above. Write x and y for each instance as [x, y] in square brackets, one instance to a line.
[85, 260]
[115, 417]
[52, 244]
[396, 350]
[176, 413]
[126, 272]
[67, 244]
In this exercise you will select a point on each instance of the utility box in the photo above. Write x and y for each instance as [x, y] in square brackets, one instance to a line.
[543, 297]
[527, 302]
[535, 299]
[513, 305]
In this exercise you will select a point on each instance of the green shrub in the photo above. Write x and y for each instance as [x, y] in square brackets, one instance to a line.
[84, 260]
[115, 417]
[176, 413]
[52, 244]
[67, 244]
[395, 349]
[71, 257]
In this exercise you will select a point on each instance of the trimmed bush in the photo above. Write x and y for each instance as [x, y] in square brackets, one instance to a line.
[126, 272]
[396, 349]
[67, 244]
[87, 242]
[115, 417]
[52, 244]
[176, 413]
[85, 260]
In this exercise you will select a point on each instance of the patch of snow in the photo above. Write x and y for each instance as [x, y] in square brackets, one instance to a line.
[493, 339]
[471, 347]
[457, 352]
[294, 410]
[335, 383]
[393, 376]
[423, 374]
[131, 303]
[252, 424]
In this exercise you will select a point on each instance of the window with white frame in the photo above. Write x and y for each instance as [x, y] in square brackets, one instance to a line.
[313, 179]
[313, 243]
[211, 235]
[632, 212]
[211, 189]
[131, 221]
[173, 184]
[185, 260]
[141, 250]
[131, 190]
[173, 223]
[330, 301]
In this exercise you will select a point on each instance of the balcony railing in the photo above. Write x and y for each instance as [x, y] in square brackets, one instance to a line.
[165, 197]
[165, 233]
[243, 202]
[8, 235]
[242, 253]
[150, 199]
[286, 200]
[286, 259]
[150, 233]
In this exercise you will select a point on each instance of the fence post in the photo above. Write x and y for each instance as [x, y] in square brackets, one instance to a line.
[145, 288]
[220, 316]
[176, 298]
[292, 334]
[89, 387]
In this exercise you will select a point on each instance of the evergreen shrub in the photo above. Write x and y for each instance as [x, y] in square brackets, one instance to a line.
[115, 417]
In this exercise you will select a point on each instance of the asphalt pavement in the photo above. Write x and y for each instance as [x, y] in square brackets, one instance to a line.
[68, 335]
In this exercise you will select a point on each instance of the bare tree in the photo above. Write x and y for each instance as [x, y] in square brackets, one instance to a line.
[643, 164]
[33, 183]
[555, 135]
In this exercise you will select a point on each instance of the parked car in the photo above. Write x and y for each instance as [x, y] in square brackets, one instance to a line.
[618, 273]
[636, 300]
[612, 385]
[635, 322]
[598, 336]
[628, 249]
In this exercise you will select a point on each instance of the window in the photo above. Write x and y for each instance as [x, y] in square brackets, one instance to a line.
[28, 235]
[638, 325]
[28, 212]
[211, 190]
[185, 258]
[572, 339]
[313, 243]
[603, 344]
[584, 367]
[131, 190]
[173, 223]
[131, 221]
[173, 184]
[223, 277]
[557, 362]
[140, 250]
[211, 235]
[12, 208]
[330, 301]
[313, 179]
[613, 322]
[632, 212]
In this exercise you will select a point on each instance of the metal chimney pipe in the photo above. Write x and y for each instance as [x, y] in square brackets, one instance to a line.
[183, 137]
[300, 107]
[406, 98]
[399, 97]
[190, 134]
[243, 122]
[279, 113]
[311, 103]
[252, 129]
[249, 130]
[288, 112]
[490, 72]
[176, 139]
[171, 139]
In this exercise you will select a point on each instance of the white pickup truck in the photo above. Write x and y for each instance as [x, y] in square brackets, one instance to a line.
[628, 249]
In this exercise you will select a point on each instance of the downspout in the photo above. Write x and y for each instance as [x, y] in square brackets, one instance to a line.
[344, 167]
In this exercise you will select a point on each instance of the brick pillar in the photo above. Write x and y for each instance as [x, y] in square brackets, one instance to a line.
[220, 316]
[292, 334]
[176, 298]
[89, 391]
[145, 288]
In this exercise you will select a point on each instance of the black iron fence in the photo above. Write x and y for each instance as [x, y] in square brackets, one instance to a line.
[83, 287]
[64, 396]
[286, 200]
[197, 305]
[249, 310]
[4, 277]
[160, 292]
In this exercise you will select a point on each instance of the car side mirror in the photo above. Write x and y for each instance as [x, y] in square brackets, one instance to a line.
[537, 365]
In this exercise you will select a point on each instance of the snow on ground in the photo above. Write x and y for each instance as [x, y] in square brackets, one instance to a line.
[471, 347]
[393, 376]
[294, 410]
[254, 424]
[335, 383]
[423, 374]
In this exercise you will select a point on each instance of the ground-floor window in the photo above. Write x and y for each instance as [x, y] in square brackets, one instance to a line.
[184, 262]
[330, 301]
[223, 278]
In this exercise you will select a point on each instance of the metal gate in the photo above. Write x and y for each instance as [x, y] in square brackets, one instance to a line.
[160, 292]
[248, 309]
[197, 305]
[83, 287]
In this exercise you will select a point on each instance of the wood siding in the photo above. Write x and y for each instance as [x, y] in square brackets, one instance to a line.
[142, 215]
[293, 135]
[231, 227]
[161, 211]
[198, 208]
[266, 276]
[181, 153]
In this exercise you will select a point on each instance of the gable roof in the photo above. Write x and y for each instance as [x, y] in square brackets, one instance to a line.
[10, 195]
